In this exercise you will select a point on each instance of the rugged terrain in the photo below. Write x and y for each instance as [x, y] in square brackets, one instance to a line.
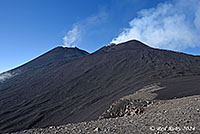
[68, 85]
[175, 116]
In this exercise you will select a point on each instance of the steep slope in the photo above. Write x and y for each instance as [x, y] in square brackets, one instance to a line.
[82, 89]
[176, 116]
[54, 57]
[44, 63]
[30, 72]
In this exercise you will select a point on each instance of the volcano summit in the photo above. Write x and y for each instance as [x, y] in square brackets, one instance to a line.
[69, 85]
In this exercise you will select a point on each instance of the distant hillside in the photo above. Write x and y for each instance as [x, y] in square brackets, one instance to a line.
[69, 85]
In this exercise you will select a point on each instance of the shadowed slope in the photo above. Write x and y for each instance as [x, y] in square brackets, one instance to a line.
[82, 89]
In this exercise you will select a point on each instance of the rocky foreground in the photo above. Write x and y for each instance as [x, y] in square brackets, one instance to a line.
[162, 116]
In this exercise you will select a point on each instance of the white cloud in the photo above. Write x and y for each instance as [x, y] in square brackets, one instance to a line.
[101, 17]
[71, 36]
[84, 28]
[171, 25]
[5, 76]
[197, 19]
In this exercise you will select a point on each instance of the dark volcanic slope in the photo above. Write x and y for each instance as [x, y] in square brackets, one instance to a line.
[58, 55]
[82, 89]
[47, 61]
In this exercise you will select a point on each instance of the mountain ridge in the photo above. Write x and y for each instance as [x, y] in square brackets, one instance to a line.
[82, 89]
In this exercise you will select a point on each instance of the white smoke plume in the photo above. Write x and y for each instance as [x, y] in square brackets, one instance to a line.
[71, 36]
[172, 25]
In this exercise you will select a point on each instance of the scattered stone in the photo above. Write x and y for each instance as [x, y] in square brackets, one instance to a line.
[97, 129]
[174, 122]
[125, 107]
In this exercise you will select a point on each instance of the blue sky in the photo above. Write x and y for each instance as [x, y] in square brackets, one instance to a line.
[29, 28]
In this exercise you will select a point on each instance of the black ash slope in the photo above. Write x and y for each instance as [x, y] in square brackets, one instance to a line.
[83, 88]
[58, 55]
